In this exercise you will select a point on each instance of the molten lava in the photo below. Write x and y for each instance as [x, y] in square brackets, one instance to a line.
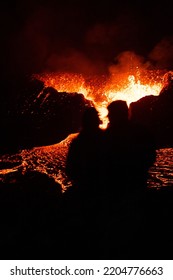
[103, 90]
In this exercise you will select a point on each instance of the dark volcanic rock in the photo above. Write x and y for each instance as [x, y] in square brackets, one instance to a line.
[156, 112]
[40, 116]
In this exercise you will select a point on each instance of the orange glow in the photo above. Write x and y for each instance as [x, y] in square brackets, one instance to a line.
[103, 90]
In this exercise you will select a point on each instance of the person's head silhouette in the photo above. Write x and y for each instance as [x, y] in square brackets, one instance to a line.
[90, 120]
[117, 112]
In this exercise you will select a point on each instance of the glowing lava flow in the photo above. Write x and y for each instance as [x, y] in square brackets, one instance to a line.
[103, 90]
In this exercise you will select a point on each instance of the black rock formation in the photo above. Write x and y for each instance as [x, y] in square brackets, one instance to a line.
[156, 112]
[39, 116]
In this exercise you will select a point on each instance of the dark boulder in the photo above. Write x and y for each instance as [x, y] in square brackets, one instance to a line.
[156, 113]
[39, 116]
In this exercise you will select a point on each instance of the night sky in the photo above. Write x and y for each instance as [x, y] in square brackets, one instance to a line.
[83, 36]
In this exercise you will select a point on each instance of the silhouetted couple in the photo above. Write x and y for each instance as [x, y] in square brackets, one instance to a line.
[115, 161]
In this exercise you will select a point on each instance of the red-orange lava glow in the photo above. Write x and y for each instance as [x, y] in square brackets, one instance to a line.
[102, 90]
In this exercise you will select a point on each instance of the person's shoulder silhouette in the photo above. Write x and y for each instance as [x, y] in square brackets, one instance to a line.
[83, 155]
[130, 149]
[142, 154]
[115, 152]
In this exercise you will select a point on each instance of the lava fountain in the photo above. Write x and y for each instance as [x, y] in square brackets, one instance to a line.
[102, 90]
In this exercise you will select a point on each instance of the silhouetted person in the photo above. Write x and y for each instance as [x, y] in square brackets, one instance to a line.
[84, 153]
[129, 152]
